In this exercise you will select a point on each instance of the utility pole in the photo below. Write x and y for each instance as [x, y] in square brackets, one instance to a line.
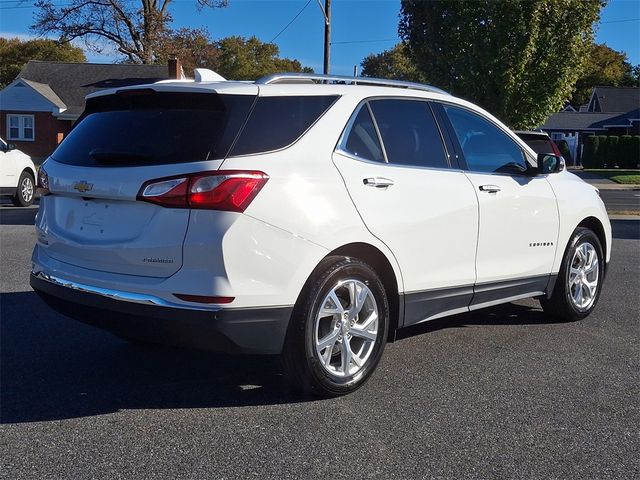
[326, 11]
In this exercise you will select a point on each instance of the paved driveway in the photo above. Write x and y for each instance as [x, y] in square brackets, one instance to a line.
[503, 393]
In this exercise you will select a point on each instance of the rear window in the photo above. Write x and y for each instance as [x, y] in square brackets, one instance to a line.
[277, 122]
[538, 144]
[149, 128]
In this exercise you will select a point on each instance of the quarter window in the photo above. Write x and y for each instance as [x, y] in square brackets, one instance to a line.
[409, 133]
[277, 122]
[363, 140]
[20, 127]
[486, 147]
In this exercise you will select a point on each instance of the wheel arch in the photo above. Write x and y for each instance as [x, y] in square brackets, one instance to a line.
[596, 226]
[31, 172]
[383, 267]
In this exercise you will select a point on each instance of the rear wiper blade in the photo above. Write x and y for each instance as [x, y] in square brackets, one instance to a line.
[105, 156]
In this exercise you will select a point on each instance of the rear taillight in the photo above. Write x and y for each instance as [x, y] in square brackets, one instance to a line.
[229, 190]
[556, 150]
[43, 181]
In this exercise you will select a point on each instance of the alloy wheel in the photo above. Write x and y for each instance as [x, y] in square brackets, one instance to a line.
[583, 277]
[346, 328]
[26, 189]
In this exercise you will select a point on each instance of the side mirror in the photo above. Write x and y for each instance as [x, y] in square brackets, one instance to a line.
[10, 147]
[548, 163]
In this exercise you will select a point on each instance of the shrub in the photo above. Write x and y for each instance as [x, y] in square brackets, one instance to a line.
[601, 153]
[613, 153]
[563, 146]
[589, 148]
[634, 152]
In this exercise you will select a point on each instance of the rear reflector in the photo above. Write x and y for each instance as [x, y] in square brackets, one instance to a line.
[229, 190]
[203, 299]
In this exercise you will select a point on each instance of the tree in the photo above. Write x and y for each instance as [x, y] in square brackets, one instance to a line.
[517, 58]
[15, 53]
[193, 47]
[394, 64]
[249, 59]
[236, 58]
[605, 67]
[134, 27]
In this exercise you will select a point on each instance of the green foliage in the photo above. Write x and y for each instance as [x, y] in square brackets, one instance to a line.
[394, 64]
[249, 58]
[613, 153]
[590, 145]
[235, 58]
[563, 146]
[603, 66]
[518, 59]
[625, 149]
[15, 53]
[633, 154]
[602, 151]
[193, 47]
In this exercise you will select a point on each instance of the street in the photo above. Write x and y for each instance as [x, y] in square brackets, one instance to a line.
[627, 201]
[501, 393]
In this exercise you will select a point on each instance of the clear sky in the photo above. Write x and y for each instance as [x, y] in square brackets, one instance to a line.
[359, 27]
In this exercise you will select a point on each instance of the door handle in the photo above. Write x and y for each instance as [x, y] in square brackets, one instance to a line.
[489, 188]
[378, 182]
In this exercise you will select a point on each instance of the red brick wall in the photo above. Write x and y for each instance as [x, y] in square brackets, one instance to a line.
[47, 132]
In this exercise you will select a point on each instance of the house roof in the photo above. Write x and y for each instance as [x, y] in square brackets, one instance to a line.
[575, 121]
[45, 90]
[614, 99]
[69, 83]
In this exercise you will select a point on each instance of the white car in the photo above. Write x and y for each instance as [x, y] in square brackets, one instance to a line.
[17, 175]
[308, 216]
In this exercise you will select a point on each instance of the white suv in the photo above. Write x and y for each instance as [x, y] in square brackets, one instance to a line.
[306, 216]
[17, 175]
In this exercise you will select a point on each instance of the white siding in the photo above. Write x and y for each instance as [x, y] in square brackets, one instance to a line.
[18, 96]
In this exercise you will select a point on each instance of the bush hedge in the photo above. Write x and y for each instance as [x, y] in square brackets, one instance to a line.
[563, 146]
[601, 151]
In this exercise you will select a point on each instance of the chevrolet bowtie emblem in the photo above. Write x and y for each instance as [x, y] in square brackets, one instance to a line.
[82, 186]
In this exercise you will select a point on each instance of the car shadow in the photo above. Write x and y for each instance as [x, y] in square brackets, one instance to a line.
[54, 368]
[11, 215]
[626, 229]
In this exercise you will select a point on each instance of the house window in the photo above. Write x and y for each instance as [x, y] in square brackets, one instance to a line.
[20, 127]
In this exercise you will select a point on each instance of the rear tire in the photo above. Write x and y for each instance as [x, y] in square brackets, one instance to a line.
[579, 281]
[332, 349]
[25, 192]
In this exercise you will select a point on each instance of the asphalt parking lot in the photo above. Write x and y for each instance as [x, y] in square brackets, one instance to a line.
[502, 393]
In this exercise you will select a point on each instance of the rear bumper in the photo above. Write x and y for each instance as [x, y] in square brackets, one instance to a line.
[229, 330]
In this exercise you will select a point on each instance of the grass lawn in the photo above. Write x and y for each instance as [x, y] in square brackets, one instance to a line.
[627, 177]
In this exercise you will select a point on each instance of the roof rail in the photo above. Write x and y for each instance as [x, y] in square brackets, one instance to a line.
[316, 77]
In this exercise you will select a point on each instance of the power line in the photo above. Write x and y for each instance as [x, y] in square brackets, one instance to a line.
[367, 41]
[619, 21]
[292, 20]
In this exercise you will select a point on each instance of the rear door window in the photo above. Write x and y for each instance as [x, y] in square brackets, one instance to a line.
[409, 133]
[277, 122]
[363, 140]
[145, 127]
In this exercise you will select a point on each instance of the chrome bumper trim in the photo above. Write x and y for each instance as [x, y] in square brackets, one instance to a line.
[130, 297]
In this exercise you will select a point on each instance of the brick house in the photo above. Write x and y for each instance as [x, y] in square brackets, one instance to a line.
[39, 107]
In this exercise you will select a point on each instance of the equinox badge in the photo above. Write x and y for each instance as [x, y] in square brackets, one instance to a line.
[82, 186]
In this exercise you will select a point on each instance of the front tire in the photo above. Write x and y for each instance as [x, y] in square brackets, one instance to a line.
[579, 281]
[338, 329]
[25, 192]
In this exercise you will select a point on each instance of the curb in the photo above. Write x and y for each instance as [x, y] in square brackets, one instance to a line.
[606, 186]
